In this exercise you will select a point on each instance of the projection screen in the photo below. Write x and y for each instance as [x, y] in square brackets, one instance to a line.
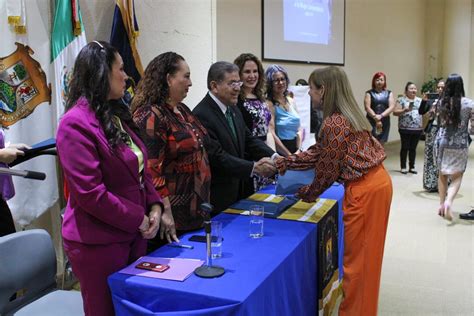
[306, 31]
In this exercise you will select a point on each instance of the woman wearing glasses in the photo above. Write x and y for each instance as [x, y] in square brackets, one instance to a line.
[175, 141]
[285, 123]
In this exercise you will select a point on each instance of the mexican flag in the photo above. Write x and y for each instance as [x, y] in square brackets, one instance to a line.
[67, 40]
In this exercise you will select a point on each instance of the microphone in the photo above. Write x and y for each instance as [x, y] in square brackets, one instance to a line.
[208, 270]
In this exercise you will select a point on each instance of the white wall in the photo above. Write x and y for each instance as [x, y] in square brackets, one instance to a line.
[186, 27]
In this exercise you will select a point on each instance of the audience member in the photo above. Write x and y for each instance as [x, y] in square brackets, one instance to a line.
[348, 153]
[379, 103]
[232, 148]
[285, 124]
[409, 126]
[452, 142]
[174, 139]
[251, 98]
[430, 170]
[112, 206]
[7, 191]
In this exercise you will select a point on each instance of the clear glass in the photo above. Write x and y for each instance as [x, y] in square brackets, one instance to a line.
[216, 239]
[256, 213]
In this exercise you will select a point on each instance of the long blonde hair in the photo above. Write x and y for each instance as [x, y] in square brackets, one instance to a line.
[338, 96]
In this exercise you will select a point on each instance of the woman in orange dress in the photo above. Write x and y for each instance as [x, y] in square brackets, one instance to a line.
[347, 152]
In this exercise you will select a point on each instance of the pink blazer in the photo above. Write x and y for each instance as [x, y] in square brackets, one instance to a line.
[107, 199]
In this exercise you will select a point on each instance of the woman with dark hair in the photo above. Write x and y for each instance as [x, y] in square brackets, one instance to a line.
[346, 152]
[430, 170]
[251, 99]
[285, 123]
[112, 206]
[379, 103]
[410, 126]
[452, 141]
[175, 141]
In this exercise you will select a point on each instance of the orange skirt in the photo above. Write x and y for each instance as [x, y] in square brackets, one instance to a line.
[366, 209]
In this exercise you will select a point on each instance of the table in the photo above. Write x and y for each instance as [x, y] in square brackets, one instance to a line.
[274, 275]
[334, 192]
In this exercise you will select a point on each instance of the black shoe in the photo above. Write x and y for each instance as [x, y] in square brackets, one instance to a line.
[413, 171]
[403, 171]
[469, 215]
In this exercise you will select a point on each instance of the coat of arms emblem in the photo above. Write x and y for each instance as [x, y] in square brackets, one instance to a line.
[22, 85]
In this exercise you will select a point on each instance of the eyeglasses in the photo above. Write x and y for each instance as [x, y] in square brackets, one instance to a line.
[235, 84]
[279, 80]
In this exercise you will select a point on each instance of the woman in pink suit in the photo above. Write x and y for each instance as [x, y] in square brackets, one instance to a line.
[113, 206]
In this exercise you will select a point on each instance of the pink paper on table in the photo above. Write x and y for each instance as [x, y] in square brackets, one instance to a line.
[180, 268]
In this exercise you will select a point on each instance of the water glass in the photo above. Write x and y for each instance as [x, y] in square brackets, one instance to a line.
[216, 239]
[256, 213]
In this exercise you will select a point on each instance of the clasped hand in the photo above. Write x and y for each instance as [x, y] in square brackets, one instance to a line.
[265, 167]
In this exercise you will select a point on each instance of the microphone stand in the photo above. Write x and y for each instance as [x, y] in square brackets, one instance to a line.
[23, 173]
[208, 270]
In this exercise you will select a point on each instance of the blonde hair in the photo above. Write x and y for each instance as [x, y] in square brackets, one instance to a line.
[338, 96]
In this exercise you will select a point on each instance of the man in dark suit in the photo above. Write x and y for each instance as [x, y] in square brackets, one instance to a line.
[231, 143]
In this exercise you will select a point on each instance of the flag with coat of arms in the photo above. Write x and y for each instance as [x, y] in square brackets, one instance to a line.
[67, 40]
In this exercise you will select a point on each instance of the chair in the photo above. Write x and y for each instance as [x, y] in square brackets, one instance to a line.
[28, 266]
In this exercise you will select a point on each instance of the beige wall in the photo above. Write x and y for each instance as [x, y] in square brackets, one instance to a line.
[406, 39]
[186, 27]
[457, 40]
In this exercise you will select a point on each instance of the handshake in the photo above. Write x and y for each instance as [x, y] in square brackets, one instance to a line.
[265, 167]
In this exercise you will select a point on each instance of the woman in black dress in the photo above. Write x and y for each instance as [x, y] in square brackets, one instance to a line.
[379, 103]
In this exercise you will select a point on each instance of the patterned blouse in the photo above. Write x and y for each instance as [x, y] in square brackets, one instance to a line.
[341, 154]
[256, 116]
[178, 160]
[410, 122]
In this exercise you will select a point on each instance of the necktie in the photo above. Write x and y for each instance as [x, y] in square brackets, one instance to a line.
[230, 121]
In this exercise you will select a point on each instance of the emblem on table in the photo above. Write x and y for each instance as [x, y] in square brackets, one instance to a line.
[328, 257]
[22, 85]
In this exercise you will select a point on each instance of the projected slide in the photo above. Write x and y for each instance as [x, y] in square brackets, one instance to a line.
[307, 31]
[307, 21]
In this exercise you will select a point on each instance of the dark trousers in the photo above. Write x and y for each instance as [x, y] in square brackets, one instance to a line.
[6, 221]
[409, 143]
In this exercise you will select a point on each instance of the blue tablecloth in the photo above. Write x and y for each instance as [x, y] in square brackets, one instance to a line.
[274, 275]
[334, 192]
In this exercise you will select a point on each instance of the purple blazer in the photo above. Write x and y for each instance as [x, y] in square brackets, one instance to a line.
[107, 199]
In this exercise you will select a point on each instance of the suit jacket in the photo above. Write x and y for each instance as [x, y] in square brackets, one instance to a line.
[107, 198]
[230, 171]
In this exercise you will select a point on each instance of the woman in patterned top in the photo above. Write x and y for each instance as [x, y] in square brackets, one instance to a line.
[347, 152]
[175, 141]
[379, 103]
[452, 141]
[410, 126]
[251, 99]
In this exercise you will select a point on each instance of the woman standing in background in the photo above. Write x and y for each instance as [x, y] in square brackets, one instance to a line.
[175, 141]
[452, 141]
[409, 126]
[379, 103]
[285, 124]
[430, 170]
[251, 101]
